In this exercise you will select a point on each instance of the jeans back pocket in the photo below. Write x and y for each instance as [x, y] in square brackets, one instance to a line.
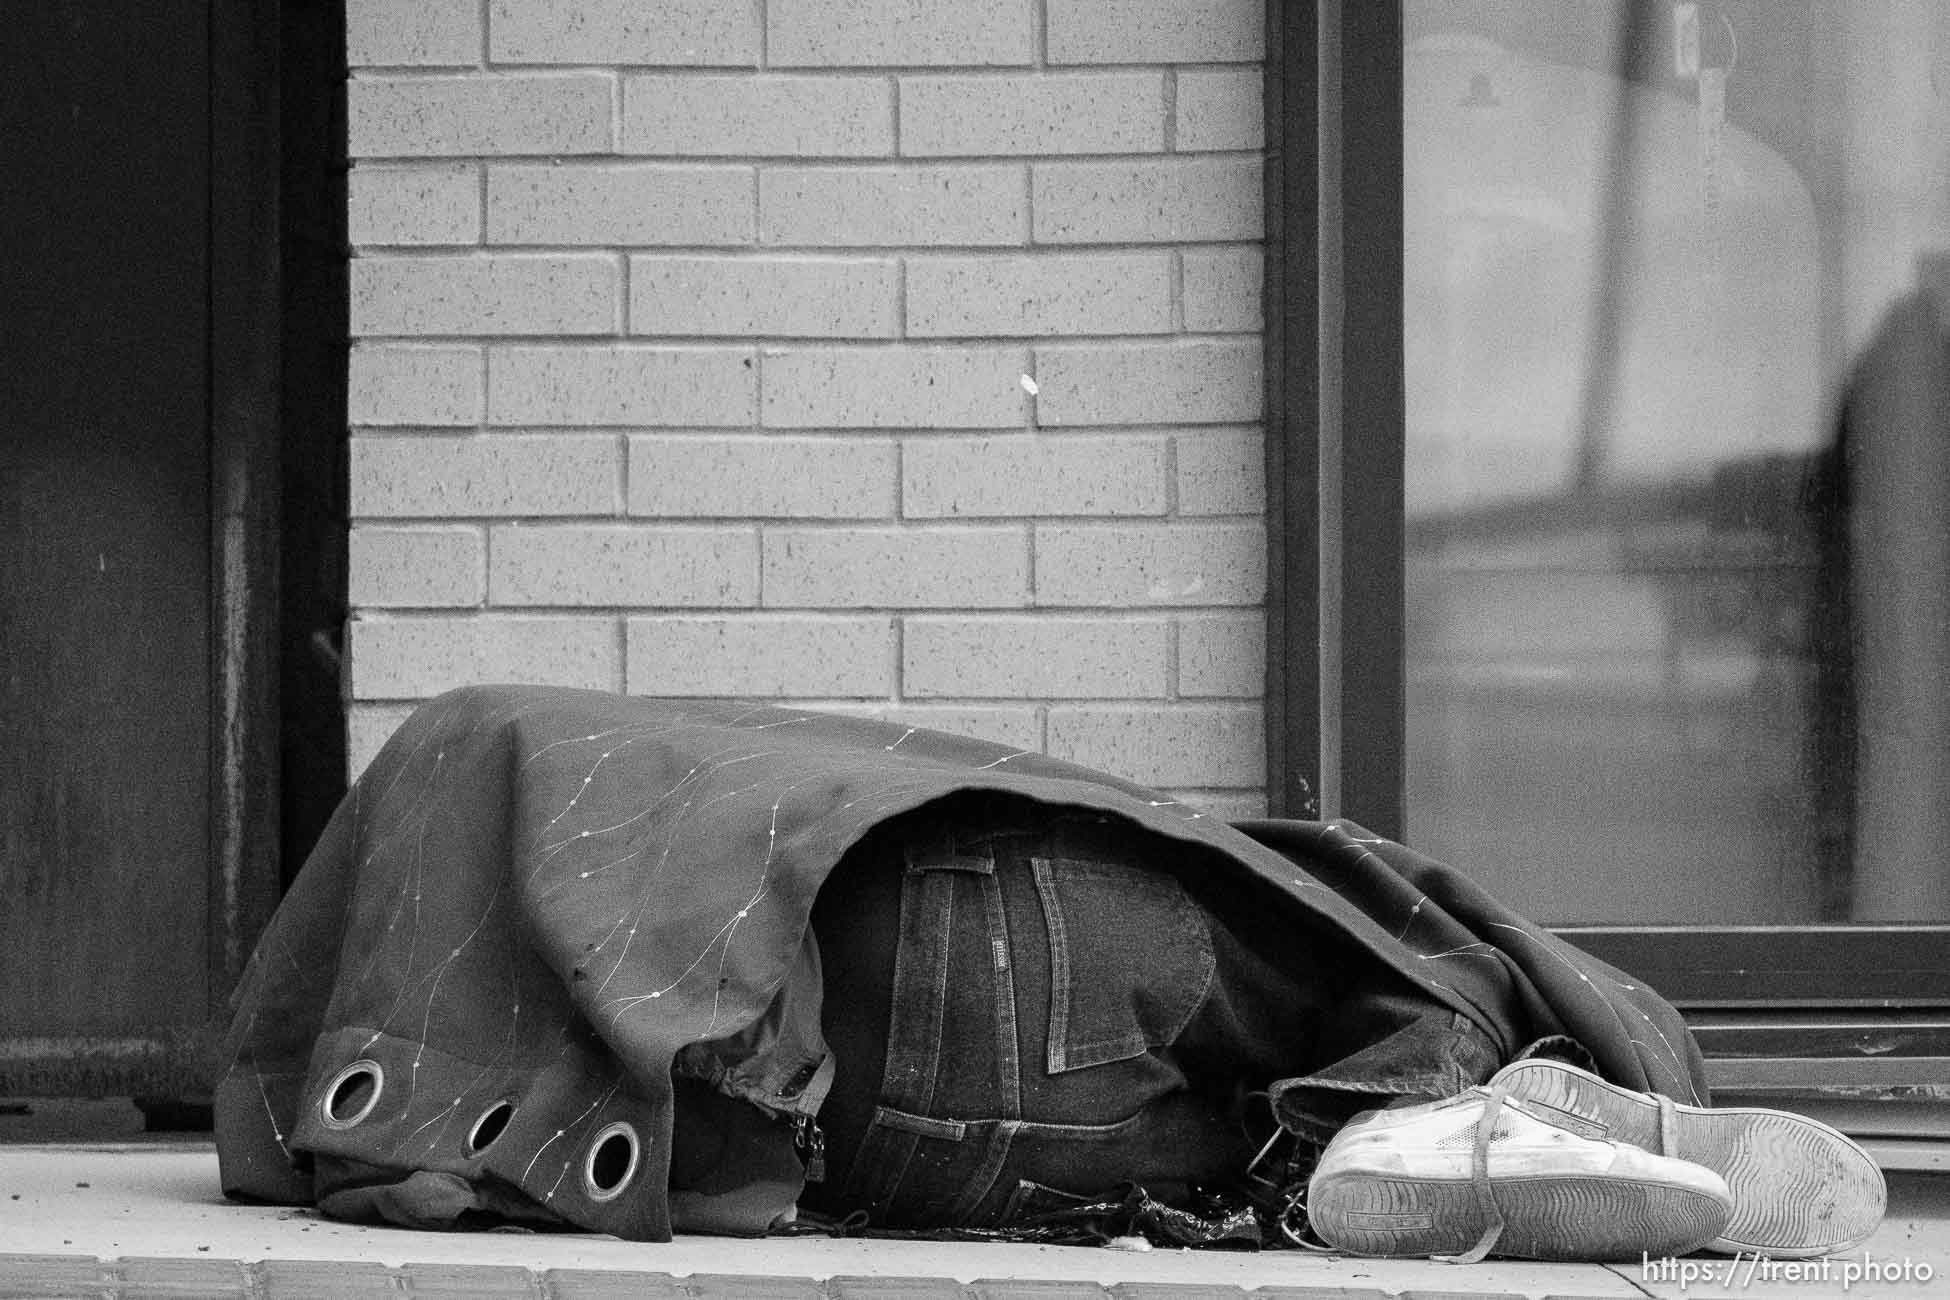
[1130, 958]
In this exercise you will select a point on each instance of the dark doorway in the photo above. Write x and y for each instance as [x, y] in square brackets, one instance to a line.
[171, 517]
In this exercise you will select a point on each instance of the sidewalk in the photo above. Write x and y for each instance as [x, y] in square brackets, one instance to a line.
[145, 1218]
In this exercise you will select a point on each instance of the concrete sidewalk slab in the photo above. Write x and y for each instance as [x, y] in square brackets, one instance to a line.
[147, 1219]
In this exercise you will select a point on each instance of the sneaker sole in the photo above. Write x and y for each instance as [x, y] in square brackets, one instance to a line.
[1800, 1188]
[1560, 1218]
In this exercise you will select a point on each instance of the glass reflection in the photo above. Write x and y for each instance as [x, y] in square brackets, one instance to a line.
[1678, 461]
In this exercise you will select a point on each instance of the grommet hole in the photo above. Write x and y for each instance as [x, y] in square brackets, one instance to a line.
[611, 1163]
[352, 1094]
[489, 1126]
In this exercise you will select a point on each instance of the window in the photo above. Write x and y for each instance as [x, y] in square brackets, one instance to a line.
[1613, 558]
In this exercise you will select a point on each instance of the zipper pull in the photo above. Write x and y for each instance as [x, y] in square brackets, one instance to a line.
[810, 1140]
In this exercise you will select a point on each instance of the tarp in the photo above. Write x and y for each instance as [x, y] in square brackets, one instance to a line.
[542, 915]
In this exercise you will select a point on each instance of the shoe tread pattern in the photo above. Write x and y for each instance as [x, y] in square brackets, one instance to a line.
[1799, 1187]
[1560, 1218]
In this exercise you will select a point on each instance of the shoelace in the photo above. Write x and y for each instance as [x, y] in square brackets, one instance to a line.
[1479, 1180]
[1479, 1167]
[1668, 1126]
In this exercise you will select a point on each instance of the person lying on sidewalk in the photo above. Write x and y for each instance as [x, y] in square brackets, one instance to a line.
[642, 966]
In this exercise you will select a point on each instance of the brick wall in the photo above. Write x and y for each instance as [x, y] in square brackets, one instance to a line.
[897, 356]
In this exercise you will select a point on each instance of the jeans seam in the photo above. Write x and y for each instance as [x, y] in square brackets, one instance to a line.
[981, 1183]
[1008, 1049]
[1054, 1129]
[880, 1164]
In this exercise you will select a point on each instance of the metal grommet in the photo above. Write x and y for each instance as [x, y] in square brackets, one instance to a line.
[352, 1094]
[492, 1123]
[611, 1162]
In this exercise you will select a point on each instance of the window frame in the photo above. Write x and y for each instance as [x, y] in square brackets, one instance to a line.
[1816, 1013]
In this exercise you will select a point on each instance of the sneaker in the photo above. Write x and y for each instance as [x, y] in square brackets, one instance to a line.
[1800, 1188]
[1473, 1174]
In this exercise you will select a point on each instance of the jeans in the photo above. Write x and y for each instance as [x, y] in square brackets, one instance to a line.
[1029, 1006]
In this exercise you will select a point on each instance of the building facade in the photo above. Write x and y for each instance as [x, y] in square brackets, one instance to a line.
[899, 357]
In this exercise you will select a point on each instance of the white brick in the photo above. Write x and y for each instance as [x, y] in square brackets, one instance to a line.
[1220, 109]
[901, 568]
[478, 114]
[620, 385]
[1194, 745]
[872, 33]
[1148, 201]
[870, 206]
[632, 204]
[513, 293]
[1034, 294]
[762, 655]
[1035, 658]
[1150, 383]
[1017, 727]
[1222, 655]
[411, 658]
[414, 384]
[882, 388]
[437, 203]
[1041, 113]
[762, 477]
[1221, 472]
[1156, 31]
[412, 32]
[1222, 289]
[699, 33]
[759, 116]
[1029, 474]
[423, 567]
[779, 297]
[622, 564]
[368, 728]
[500, 474]
[1136, 565]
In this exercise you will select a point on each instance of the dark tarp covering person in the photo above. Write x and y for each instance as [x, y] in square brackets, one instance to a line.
[552, 960]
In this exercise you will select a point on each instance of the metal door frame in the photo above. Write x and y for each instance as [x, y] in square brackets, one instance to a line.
[171, 1062]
